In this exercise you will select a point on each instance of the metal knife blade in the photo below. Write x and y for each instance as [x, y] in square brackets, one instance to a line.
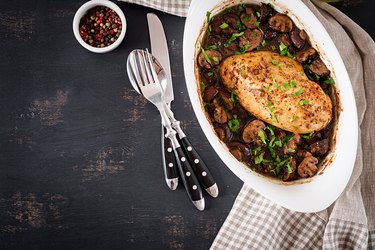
[159, 48]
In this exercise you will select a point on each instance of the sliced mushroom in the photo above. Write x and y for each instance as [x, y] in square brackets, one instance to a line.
[291, 146]
[225, 98]
[317, 136]
[250, 39]
[281, 23]
[265, 12]
[304, 55]
[236, 152]
[319, 68]
[283, 39]
[320, 147]
[220, 115]
[303, 153]
[210, 93]
[250, 132]
[214, 58]
[298, 38]
[287, 175]
[215, 24]
[249, 19]
[308, 168]
[245, 152]
[269, 34]
[231, 49]
[210, 77]
[224, 133]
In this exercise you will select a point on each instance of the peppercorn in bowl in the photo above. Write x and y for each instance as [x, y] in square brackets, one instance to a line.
[99, 26]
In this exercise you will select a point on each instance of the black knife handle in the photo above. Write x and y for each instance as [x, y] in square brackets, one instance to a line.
[199, 167]
[169, 157]
[187, 175]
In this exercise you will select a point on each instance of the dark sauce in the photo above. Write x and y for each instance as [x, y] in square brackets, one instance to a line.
[221, 40]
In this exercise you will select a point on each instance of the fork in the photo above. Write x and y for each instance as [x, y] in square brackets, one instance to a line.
[148, 83]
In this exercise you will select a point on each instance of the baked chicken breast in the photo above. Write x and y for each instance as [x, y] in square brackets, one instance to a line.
[276, 89]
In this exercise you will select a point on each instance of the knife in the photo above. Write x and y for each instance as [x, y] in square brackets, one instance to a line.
[159, 49]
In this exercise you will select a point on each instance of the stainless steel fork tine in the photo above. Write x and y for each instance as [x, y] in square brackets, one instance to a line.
[134, 64]
[147, 67]
[152, 67]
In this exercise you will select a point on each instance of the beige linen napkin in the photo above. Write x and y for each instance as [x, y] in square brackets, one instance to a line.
[257, 223]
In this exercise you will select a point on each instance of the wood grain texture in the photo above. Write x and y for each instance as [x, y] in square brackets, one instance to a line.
[80, 158]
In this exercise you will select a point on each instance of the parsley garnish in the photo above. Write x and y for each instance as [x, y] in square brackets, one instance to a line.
[258, 159]
[276, 63]
[283, 49]
[233, 38]
[303, 102]
[234, 124]
[308, 136]
[205, 56]
[292, 150]
[262, 136]
[210, 74]
[263, 43]
[233, 97]
[298, 92]
[242, 71]
[330, 81]
[224, 26]
[293, 83]
[266, 88]
[215, 59]
[243, 49]
[294, 118]
[212, 47]
[257, 13]
[246, 18]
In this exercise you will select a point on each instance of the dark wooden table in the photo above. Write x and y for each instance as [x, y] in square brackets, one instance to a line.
[80, 158]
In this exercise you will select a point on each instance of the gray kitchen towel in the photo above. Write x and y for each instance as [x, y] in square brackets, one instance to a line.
[257, 223]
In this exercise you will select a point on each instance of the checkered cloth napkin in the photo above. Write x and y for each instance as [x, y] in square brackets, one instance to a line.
[257, 223]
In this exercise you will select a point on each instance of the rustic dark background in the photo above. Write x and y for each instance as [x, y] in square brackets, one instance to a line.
[79, 148]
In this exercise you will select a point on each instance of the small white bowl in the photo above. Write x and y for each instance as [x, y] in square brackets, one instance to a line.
[83, 10]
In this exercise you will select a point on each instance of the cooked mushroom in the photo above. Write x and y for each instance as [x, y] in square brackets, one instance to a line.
[210, 93]
[250, 39]
[304, 55]
[233, 21]
[287, 175]
[291, 146]
[220, 115]
[269, 34]
[303, 153]
[298, 38]
[320, 147]
[250, 132]
[236, 152]
[215, 24]
[225, 98]
[317, 136]
[230, 49]
[213, 58]
[281, 23]
[308, 168]
[283, 39]
[210, 77]
[224, 133]
[249, 19]
[265, 12]
[319, 68]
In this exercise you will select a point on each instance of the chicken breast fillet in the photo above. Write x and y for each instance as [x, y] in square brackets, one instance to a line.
[275, 89]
